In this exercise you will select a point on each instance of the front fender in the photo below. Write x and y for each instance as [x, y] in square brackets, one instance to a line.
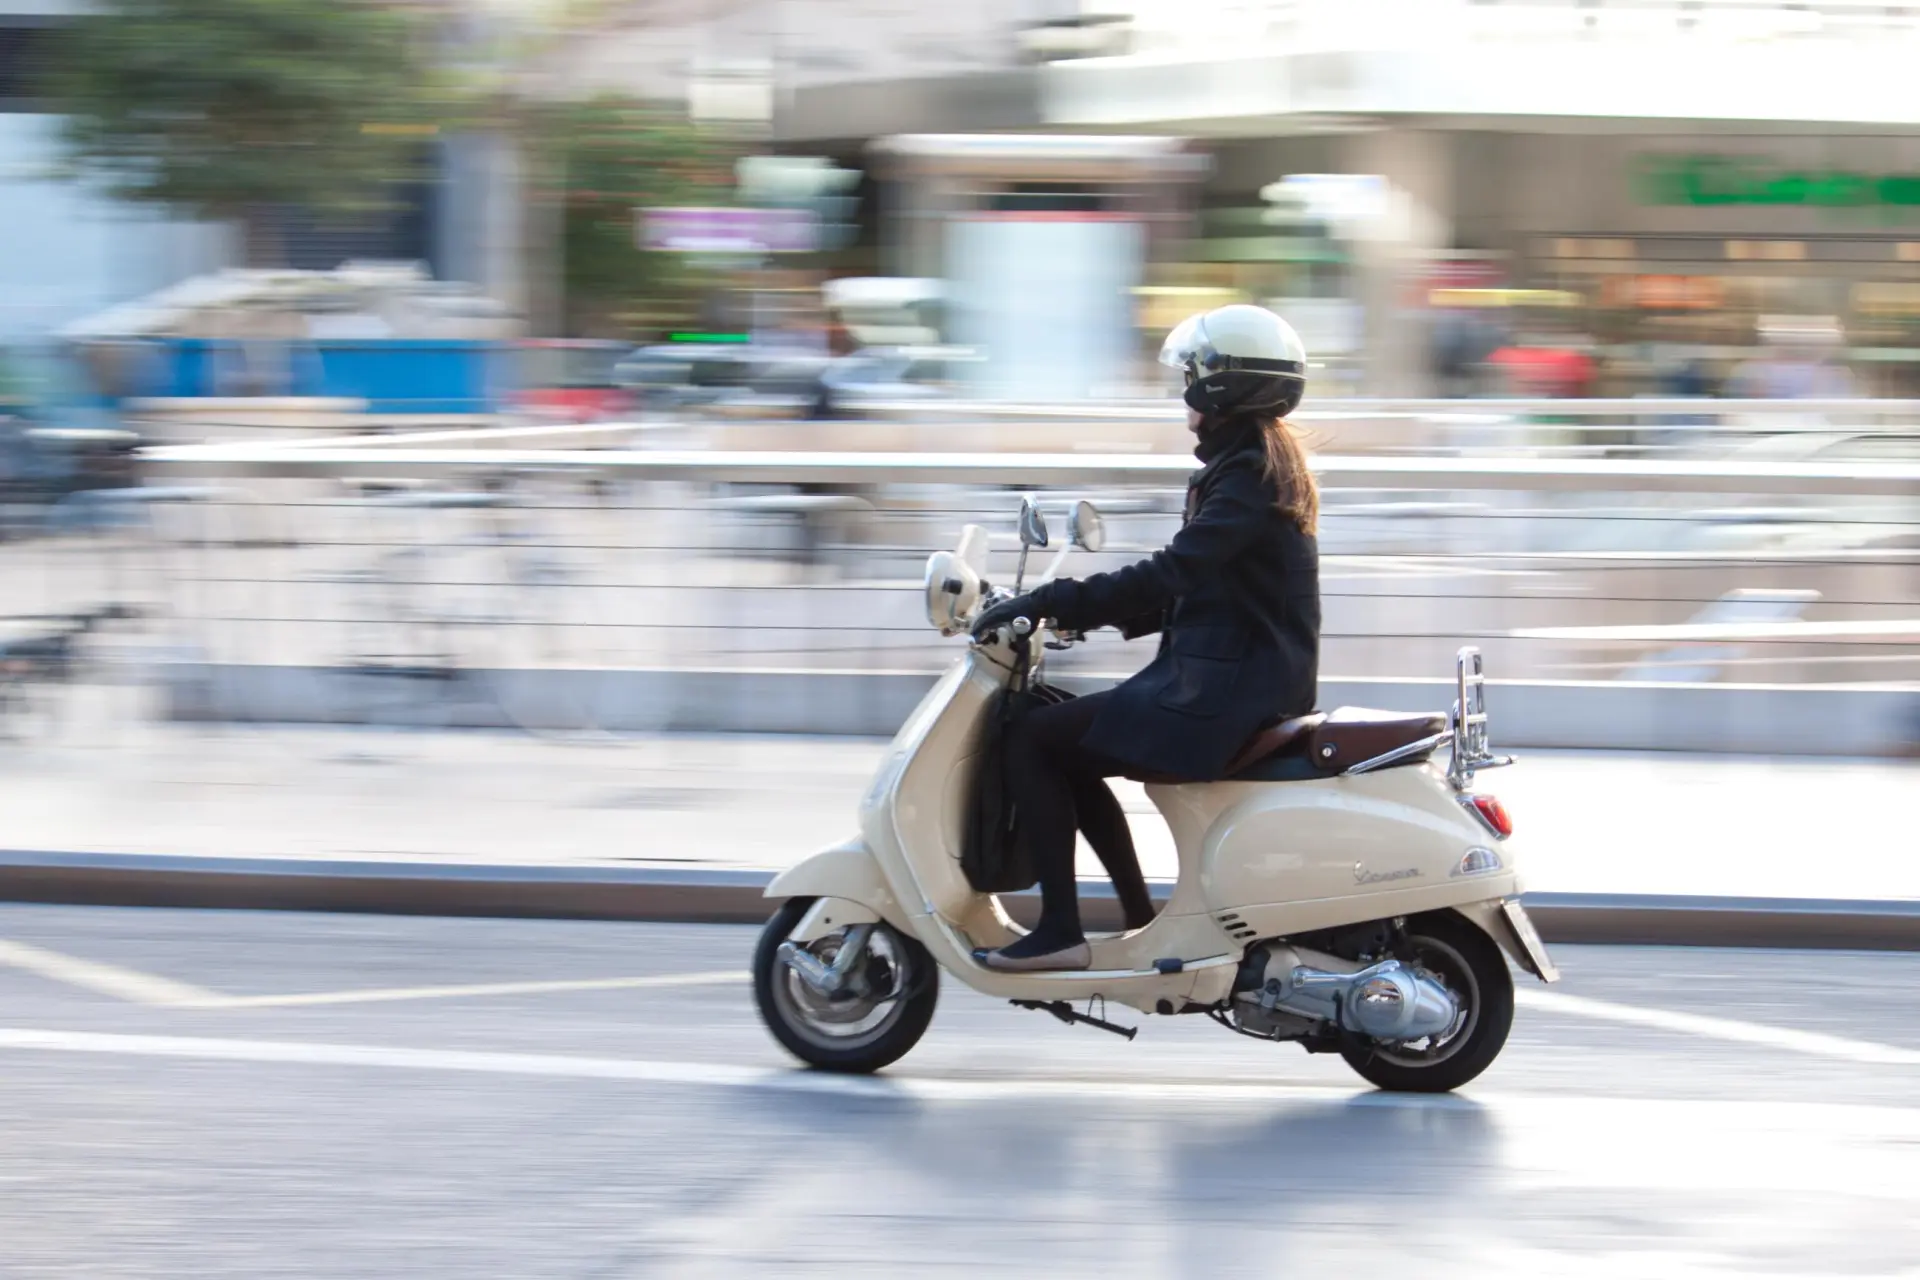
[847, 871]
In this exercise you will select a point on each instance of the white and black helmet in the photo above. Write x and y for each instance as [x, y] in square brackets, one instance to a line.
[1238, 360]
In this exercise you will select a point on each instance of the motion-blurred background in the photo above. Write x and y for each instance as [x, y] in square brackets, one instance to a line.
[551, 365]
[479, 457]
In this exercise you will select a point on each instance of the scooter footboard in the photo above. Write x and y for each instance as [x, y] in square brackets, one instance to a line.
[848, 872]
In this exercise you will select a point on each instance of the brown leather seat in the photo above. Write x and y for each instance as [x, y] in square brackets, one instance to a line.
[1274, 739]
[1354, 735]
[1333, 740]
[1339, 739]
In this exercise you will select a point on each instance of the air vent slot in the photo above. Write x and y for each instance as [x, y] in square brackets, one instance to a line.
[1237, 929]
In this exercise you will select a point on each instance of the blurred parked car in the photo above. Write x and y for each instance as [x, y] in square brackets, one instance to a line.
[750, 380]
[876, 376]
[729, 380]
[572, 381]
[42, 467]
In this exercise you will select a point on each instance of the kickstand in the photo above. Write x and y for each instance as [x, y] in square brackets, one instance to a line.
[1068, 1014]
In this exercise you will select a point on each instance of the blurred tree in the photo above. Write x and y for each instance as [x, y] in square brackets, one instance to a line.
[604, 160]
[234, 109]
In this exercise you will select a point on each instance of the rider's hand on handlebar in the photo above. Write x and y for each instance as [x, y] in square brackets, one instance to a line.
[1031, 606]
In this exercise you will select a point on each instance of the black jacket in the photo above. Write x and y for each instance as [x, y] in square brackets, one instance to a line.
[1236, 595]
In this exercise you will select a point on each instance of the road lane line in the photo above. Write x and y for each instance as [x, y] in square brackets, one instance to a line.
[1814, 1043]
[160, 992]
[1873, 1122]
[105, 979]
[379, 995]
[635, 1070]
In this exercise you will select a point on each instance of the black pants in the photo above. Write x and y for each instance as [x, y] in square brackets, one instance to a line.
[1058, 786]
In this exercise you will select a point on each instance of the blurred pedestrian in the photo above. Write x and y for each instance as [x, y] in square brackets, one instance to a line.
[1546, 367]
[1463, 340]
[1798, 360]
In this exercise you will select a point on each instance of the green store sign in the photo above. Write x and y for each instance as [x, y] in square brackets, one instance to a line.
[1705, 180]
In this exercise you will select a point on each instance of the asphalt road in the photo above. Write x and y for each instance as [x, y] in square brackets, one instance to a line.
[255, 1095]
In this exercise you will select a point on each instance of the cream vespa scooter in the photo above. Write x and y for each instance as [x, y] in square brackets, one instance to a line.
[1340, 890]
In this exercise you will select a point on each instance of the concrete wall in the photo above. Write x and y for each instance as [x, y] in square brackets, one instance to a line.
[807, 42]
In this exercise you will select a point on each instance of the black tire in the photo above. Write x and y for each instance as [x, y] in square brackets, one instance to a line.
[859, 1054]
[1446, 942]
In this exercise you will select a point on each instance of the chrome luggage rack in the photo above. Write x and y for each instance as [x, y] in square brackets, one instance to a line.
[1470, 752]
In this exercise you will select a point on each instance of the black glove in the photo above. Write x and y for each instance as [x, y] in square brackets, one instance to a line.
[1032, 606]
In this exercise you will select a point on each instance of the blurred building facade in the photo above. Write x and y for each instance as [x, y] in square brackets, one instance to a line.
[67, 251]
[70, 250]
[1665, 183]
[1669, 182]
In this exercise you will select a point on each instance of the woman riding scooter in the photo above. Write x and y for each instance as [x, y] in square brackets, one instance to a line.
[1236, 598]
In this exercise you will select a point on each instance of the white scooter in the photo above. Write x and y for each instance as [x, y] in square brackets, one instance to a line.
[1340, 890]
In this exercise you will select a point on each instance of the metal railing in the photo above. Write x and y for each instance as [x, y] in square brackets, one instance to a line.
[1870, 479]
[698, 522]
[412, 567]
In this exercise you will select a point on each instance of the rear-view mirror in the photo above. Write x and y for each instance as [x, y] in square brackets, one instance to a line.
[1033, 525]
[1085, 528]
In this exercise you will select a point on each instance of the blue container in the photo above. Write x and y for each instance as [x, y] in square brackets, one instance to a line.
[191, 369]
[409, 376]
[439, 376]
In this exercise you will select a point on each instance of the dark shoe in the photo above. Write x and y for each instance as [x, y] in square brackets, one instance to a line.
[1076, 955]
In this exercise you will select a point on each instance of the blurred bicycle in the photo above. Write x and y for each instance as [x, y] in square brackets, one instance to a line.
[486, 614]
[38, 670]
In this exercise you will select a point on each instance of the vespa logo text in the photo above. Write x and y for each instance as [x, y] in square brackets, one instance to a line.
[1363, 876]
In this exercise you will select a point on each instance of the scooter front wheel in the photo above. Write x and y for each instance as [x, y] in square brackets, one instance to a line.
[1470, 965]
[887, 1008]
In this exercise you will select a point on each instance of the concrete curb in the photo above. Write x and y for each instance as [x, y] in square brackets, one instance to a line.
[711, 896]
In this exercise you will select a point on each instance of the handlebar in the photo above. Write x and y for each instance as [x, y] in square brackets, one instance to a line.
[1017, 633]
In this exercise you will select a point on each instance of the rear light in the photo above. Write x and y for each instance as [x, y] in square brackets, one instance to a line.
[1491, 812]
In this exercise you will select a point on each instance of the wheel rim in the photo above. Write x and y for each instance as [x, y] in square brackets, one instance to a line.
[854, 1021]
[1444, 964]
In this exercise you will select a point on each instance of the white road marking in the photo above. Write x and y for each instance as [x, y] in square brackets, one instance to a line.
[642, 1071]
[156, 991]
[152, 989]
[1814, 1043]
[378, 995]
[795, 1079]
[106, 979]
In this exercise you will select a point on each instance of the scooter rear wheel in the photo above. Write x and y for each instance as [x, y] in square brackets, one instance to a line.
[859, 1033]
[1473, 967]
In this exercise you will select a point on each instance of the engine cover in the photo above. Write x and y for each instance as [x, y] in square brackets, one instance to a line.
[1386, 1000]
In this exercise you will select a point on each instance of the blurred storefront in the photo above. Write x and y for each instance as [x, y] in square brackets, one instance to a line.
[1670, 262]
[1042, 241]
[1711, 251]
[1696, 188]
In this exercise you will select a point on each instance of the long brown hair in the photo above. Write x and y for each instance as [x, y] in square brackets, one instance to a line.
[1298, 492]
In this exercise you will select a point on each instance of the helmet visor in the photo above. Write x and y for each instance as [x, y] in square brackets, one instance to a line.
[1187, 347]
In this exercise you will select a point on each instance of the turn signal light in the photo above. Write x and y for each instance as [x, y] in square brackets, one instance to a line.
[1493, 813]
